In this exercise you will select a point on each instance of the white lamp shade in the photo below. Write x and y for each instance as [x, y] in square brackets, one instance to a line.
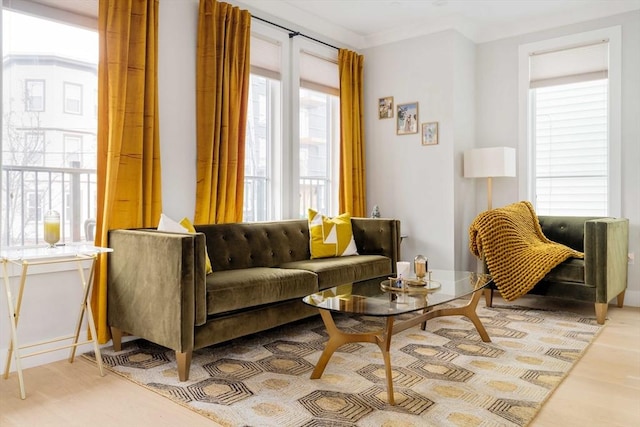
[490, 162]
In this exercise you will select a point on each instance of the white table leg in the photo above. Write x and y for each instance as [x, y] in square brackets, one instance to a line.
[14, 313]
[86, 306]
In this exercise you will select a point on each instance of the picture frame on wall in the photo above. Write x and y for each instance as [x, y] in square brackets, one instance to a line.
[407, 118]
[385, 107]
[430, 133]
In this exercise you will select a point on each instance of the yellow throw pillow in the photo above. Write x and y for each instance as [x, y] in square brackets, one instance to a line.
[186, 223]
[330, 237]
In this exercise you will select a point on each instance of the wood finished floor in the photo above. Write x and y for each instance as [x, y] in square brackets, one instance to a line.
[602, 389]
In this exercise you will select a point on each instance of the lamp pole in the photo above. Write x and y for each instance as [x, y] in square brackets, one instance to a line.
[489, 192]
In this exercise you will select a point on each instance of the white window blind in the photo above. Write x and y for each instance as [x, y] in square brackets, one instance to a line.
[318, 74]
[571, 146]
[569, 65]
[265, 57]
[569, 94]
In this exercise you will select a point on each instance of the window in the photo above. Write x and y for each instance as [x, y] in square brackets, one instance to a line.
[72, 150]
[48, 156]
[318, 133]
[292, 133]
[34, 95]
[72, 98]
[571, 88]
[263, 134]
[264, 101]
[570, 139]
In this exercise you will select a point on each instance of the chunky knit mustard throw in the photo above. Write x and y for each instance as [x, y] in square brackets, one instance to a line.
[517, 253]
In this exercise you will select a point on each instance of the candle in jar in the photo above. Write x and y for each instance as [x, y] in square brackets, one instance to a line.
[421, 268]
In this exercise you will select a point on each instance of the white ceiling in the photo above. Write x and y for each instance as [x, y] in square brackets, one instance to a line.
[366, 23]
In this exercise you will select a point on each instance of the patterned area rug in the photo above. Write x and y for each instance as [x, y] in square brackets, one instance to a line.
[445, 376]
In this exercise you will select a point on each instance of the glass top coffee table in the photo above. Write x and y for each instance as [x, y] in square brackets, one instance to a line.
[376, 297]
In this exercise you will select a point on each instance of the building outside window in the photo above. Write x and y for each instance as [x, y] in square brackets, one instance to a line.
[48, 155]
[72, 98]
[34, 95]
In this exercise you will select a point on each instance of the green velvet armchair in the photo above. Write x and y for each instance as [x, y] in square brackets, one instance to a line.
[598, 278]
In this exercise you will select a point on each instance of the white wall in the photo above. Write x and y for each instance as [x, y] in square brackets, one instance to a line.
[464, 137]
[497, 118]
[177, 45]
[423, 185]
[50, 309]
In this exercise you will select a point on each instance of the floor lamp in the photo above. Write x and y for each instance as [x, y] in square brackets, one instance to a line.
[492, 162]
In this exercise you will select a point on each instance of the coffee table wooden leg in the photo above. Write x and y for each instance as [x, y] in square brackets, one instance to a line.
[337, 338]
[468, 310]
[384, 342]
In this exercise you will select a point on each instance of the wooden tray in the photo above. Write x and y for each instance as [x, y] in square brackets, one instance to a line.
[422, 288]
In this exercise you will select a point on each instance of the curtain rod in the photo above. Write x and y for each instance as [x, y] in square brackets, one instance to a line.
[293, 33]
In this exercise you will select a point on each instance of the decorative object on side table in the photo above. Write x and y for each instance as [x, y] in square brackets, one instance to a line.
[52, 228]
[375, 213]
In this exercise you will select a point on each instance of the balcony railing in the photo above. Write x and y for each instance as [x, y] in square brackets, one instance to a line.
[314, 193]
[255, 207]
[29, 191]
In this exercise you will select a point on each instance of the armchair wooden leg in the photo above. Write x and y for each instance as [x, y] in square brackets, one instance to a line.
[620, 299]
[488, 297]
[184, 364]
[116, 337]
[601, 312]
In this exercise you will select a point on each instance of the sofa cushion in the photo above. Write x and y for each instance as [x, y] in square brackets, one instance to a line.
[341, 270]
[231, 290]
[171, 225]
[234, 246]
[571, 270]
[331, 237]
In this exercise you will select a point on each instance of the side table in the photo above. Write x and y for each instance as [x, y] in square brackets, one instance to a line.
[84, 256]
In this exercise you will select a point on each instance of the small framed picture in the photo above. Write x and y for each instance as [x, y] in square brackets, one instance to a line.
[430, 133]
[385, 107]
[407, 118]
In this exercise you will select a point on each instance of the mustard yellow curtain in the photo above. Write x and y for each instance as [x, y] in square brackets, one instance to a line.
[222, 93]
[128, 173]
[352, 161]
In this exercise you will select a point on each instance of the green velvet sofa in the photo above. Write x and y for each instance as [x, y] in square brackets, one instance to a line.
[598, 278]
[158, 289]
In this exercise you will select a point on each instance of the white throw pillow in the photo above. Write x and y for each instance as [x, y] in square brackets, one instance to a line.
[168, 224]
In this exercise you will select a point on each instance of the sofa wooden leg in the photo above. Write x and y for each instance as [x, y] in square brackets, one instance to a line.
[601, 312]
[116, 337]
[184, 364]
[488, 297]
[620, 299]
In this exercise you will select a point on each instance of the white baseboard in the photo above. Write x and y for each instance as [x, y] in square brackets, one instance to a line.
[631, 298]
[50, 357]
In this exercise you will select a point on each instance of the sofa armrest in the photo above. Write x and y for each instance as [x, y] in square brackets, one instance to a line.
[156, 285]
[606, 243]
[378, 236]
